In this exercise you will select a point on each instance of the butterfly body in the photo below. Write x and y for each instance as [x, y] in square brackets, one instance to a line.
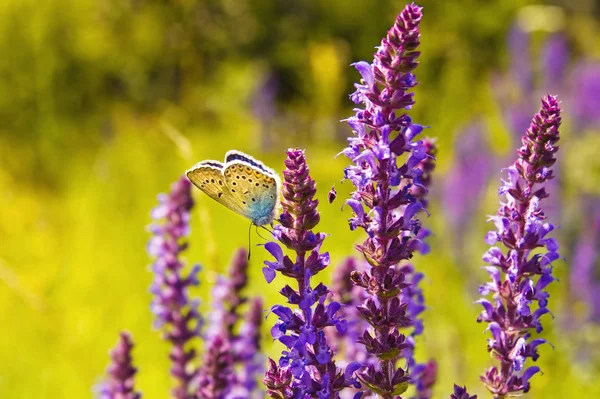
[241, 183]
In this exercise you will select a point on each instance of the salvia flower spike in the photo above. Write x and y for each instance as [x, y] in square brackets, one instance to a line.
[121, 372]
[306, 368]
[519, 275]
[175, 312]
[232, 374]
[386, 197]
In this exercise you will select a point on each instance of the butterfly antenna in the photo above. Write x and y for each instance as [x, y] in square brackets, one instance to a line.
[257, 232]
[249, 239]
[270, 231]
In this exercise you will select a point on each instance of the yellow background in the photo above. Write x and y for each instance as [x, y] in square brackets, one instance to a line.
[105, 103]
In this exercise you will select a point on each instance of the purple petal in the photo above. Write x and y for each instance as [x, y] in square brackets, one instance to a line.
[269, 274]
[351, 368]
[530, 372]
[275, 250]
[366, 71]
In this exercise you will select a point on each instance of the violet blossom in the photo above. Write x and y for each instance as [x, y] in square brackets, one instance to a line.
[555, 56]
[461, 393]
[175, 313]
[585, 104]
[519, 276]
[121, 372]
[243, 364]
[227, 297]
[264, 107]
[513, 88]
[215, 375]
[306, 368]
[423, 375]
[584, 282]
[427, 165]
[247, 353]
[383, 133]
[471, 170]
[552, 66]
[519, 43]
[350, 297]
[345, 343]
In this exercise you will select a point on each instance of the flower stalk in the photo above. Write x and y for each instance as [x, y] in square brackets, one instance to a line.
[519, 275]
[386, 200]
[232, 374]
[306, 368]
[121, 372]
[175, 313]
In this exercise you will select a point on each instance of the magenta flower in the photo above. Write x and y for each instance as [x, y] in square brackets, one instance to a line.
[240, 368]
[306, 368]
[519, 44]
[215, 375]
[176, 314]
[584, 281]
[121, 373]
[466, 182]
[519, 277]
[247, 352]
[386, 200]
[346, 343]
[423, 375]
[227, 297]
[585, 103]
[555, 56]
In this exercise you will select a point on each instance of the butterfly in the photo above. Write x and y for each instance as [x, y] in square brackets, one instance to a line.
[241, 183]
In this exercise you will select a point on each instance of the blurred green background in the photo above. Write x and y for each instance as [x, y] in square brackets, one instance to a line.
[104, 103]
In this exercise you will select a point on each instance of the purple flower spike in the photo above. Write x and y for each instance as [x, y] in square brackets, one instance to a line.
[467, 180]
[278, 381]
[247, 351]
[347, 343]
[227, 300]
[519, 43]
[216, 372]
[388, 197]
[227, 297]
[264, 106]
[427, 165]
[585, 101]
[306, 368]
[556, 59]
[520, 277]
[586, 258]
[175, 313]
[425, 376]
[120, 383]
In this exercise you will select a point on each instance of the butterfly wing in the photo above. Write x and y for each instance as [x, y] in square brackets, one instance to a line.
[234, 155]
[254, 189]
[208, 177]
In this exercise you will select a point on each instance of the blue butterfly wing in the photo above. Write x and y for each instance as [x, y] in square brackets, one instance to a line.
[254, 190]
